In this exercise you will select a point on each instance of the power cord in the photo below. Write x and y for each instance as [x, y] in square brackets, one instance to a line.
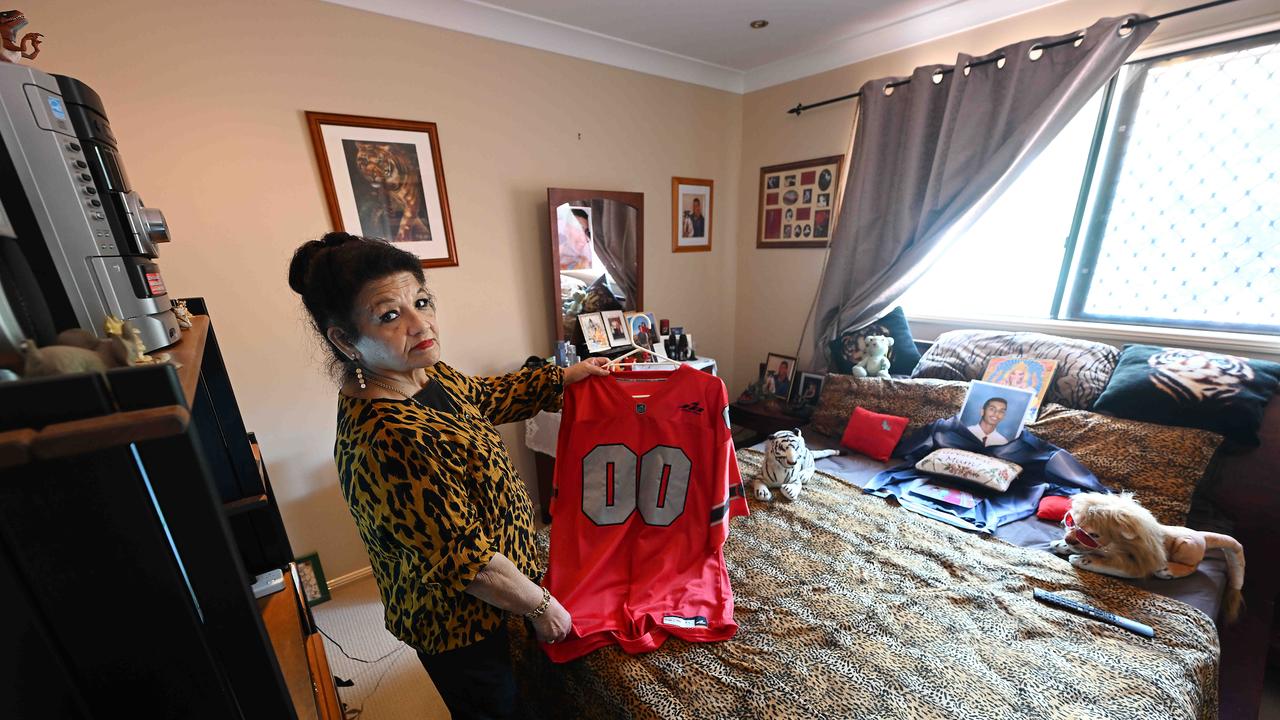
[350, 713]
[349, 657]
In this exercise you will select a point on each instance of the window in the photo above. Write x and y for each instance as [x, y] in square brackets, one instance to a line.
[1157, 205]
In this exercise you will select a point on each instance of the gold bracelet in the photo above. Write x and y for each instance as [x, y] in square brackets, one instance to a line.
[536, 613]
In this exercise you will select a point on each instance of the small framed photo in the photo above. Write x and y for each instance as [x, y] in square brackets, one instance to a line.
[593, 332]
[616, 325]
[641, 327]
[311, 576]
[691, 200]
[779, 371]
[790, 195]
[808, 388]
[384, 178]
[995, 414]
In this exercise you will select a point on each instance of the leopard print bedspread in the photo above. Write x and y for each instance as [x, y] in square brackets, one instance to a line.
[851, 607]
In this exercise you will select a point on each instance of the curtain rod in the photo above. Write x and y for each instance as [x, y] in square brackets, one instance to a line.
[947, 71]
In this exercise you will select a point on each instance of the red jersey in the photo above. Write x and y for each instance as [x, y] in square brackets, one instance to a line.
[646, 481]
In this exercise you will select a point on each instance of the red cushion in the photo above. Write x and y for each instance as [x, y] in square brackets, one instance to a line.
[1053, 507]
[873, 434]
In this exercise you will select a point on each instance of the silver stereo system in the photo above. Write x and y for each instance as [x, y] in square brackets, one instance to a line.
[83, 232]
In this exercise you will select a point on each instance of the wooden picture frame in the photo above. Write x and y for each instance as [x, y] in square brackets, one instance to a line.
[408, 204]
[801, 386]
[784, 218]
[692, 202]
[776, 385]
[311, 576]
[595, 332]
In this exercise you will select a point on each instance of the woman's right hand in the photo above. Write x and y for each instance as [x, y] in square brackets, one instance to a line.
[554, 624]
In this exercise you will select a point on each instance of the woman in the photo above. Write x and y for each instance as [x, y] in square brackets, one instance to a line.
[446, 520]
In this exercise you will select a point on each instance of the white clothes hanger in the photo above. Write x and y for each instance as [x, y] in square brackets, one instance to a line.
[661, 362]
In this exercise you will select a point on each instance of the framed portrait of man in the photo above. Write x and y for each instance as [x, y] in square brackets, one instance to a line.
[691, 200]
[384, 178]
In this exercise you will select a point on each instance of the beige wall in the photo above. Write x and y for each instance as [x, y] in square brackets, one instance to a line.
[207, 101]
[776, 287]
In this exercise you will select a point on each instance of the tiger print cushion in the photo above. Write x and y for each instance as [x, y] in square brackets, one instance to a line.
[1083, 366]
[1192, 388]
[1160, 464]
[920, 401]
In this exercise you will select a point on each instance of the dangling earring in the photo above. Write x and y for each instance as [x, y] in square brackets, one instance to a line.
[360, 377]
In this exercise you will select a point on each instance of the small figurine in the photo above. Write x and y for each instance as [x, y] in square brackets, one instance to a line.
[113, 326]
[11, 22]
[138, 352]
[183, 314]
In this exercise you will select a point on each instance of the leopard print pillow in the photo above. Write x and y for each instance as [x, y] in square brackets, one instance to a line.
[1084, 367]
[1159, 464]
[920, 401]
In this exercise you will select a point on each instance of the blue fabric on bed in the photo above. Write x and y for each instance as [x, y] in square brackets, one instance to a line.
[1046, 470]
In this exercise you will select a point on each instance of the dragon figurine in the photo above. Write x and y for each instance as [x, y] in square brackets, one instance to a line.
[11, 22]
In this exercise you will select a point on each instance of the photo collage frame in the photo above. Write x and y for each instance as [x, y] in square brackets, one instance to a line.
[797, 203]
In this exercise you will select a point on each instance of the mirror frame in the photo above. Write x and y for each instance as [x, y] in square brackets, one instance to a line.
[559, 196]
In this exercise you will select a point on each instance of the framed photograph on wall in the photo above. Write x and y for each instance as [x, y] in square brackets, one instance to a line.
[795, 203]
[779, 371]
[311, 577]
[593, 332]
[384, 178]
[691, 200]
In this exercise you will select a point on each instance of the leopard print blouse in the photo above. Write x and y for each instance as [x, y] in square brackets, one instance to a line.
[434, 496]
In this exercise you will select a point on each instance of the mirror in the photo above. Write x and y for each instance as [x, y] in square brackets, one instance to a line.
[597, 255]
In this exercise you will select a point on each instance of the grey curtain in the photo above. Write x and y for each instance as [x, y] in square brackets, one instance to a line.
[929, 154]
[615, 243]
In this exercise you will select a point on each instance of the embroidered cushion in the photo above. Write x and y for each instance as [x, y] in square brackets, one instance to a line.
[1083, 366]
[984, 470]
[873, 434]
[1192, 388]
[850, 348]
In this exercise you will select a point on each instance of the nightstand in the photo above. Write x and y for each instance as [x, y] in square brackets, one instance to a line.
[754, 422]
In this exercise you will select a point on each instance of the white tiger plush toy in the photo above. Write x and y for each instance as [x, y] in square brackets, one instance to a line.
[788, 465]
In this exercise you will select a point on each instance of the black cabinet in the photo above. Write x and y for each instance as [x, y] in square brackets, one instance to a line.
[134, 514]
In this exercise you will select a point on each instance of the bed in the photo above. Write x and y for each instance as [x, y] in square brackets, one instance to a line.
[850, 607]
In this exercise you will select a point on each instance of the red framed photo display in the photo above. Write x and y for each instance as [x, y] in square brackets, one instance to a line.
[797, 202]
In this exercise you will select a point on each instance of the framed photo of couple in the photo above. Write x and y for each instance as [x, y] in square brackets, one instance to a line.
[691, 200]
[796, 203]
[384, 178]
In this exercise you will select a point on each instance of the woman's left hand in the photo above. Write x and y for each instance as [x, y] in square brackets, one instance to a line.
[590, 366]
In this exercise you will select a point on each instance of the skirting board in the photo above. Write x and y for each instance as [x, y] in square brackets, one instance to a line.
[364, 572]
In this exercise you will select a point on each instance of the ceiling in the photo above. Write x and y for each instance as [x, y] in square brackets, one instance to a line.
[710, 42]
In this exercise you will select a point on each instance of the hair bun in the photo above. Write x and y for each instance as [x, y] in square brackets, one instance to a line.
[300, 266]
[334, 239]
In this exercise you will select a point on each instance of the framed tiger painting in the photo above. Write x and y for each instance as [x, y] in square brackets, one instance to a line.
[384, 178]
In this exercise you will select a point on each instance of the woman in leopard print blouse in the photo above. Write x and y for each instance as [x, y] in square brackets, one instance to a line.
[444, 516]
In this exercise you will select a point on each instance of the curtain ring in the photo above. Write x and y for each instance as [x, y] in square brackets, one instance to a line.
[888, 90]
[937, 77]
[1080, 40]
[1000, 63]
[1125, 30]
[1035, 52]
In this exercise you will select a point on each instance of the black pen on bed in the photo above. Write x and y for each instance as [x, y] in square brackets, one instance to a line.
[1132, 626]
